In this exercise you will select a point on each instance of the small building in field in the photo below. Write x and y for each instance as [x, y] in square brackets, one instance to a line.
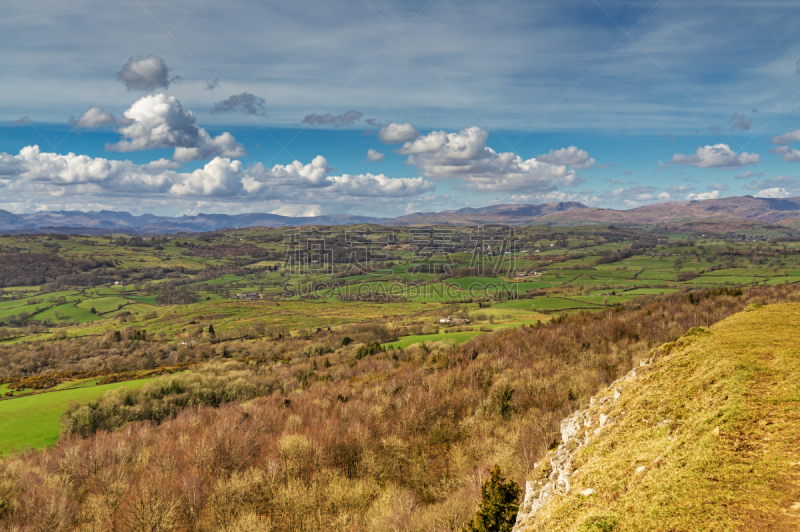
[248, 296]
[454, 321]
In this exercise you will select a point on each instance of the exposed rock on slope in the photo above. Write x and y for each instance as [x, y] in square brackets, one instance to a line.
[552, 475]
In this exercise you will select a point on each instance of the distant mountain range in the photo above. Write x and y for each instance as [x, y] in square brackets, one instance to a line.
[766, 210]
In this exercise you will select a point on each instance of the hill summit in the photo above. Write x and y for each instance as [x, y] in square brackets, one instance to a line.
[702, 435]
[741, 208]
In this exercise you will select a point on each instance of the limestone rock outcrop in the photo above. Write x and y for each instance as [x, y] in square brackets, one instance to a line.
[551, 476]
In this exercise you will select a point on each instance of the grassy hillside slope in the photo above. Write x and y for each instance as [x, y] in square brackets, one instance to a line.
[707, 437]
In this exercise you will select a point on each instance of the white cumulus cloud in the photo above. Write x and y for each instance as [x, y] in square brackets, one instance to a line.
[717, 156]
[33, 165]
[298, 210]
[315, 177]
[219, 177]
[464, 155]
[397, 133]
[699, 196]
[775, 192]
[94, 117]
[80, 175]
[369, 185]
[159, 121]
[572, 156]
[375, 156]
[296, 174]
[782, 183]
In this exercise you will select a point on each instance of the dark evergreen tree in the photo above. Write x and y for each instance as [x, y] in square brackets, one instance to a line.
[499, 505]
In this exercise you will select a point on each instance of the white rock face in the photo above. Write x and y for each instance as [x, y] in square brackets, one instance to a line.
[575, 433]
[569, 428]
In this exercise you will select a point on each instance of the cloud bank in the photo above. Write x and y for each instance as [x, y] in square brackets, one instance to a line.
[220, 178]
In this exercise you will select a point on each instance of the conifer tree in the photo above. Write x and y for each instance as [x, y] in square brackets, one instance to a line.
[499, 505]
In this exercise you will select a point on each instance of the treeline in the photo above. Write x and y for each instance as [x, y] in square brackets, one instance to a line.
[212, 385]
[395, 441]
[218, 251]
[134, 349]
[31, 269]
[610, 257]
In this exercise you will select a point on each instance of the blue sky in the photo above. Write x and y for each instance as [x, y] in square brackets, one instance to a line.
[186, 107]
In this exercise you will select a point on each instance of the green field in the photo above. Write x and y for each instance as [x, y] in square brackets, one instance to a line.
[32, 422]
[149, 300]
[548, 303]
[67, 312]
[435, 292]
[104, 304]
[454, 338]
[649, 291]
[465, 283]
[30, 309]
[577, 275]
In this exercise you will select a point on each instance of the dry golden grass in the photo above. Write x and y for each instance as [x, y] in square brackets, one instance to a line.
[706, 439]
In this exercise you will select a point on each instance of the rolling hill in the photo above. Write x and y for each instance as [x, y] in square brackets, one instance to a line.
[718, 451]
[763, 210]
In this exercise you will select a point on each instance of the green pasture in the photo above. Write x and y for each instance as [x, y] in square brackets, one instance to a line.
[783, 280]
[719, 279]
[602, 299]
[30, 309]
[478, 283]
[454, 338]
[435, 292]
[135, 308]
[32, 422]
[103, 304]
[225, 279]
[148, 300]
[649, 291]
[67, 312]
